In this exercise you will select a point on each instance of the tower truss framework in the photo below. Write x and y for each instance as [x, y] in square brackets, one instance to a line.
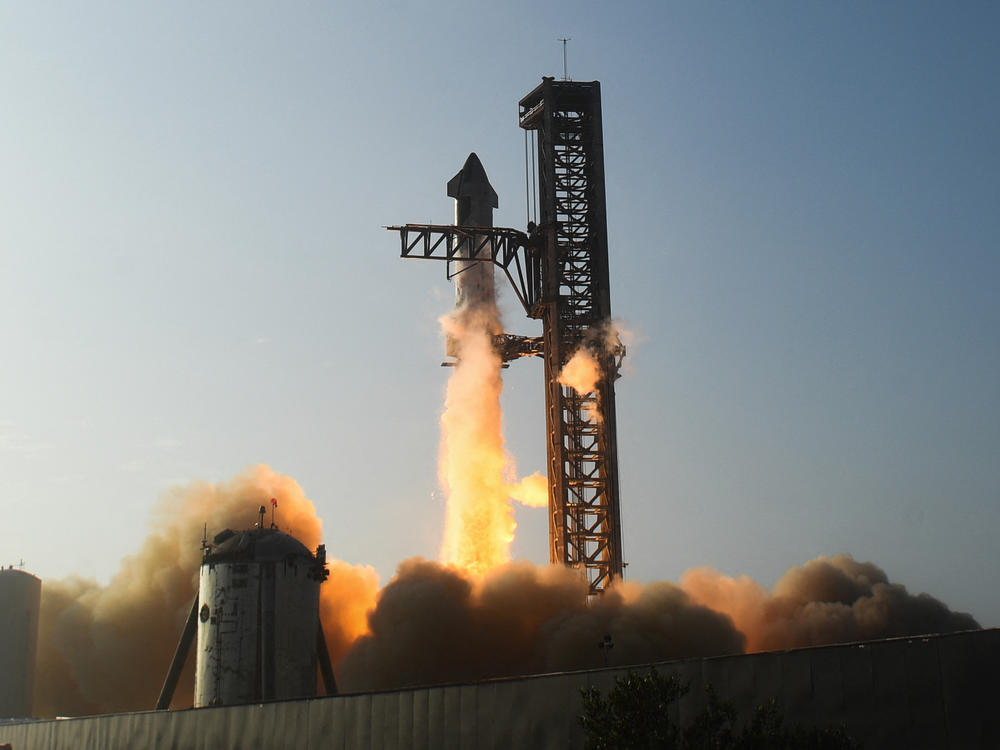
[584, 499]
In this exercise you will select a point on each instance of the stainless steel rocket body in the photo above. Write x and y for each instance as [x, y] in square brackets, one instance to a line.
[475, 289]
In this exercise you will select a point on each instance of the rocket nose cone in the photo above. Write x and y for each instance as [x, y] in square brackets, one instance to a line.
[473, 171]
[472, 182]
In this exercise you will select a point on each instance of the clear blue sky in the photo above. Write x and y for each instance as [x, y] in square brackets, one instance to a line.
[804, 224]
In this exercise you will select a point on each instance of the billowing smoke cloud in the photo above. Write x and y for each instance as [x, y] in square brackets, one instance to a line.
[827, 600]
[434, 623]
[107, 648]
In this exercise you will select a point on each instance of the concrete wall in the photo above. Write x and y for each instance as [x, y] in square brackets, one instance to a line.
[20, 595]
[934, 692]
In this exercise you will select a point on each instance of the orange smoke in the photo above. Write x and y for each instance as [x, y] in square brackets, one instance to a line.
[345, 600]
[107, 648]
[479, 522]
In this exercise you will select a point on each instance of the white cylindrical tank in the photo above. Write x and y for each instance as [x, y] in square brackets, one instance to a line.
[258, 618]
[20, 597]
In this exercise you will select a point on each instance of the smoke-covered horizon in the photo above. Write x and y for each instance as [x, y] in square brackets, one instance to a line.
[107, 648]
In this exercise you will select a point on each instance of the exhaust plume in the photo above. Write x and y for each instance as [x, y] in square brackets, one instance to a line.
[473, 465]
[107, 648]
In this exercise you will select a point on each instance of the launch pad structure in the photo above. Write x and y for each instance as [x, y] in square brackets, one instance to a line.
[559, 272]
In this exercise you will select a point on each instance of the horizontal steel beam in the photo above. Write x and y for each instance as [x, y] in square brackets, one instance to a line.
[512, 250]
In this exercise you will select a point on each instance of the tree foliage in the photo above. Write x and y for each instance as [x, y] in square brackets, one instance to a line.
[635, 715]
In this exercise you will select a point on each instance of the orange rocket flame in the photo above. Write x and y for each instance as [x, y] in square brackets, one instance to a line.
[473, 466]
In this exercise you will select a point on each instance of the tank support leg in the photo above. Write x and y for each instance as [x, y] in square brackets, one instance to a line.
[180, 656]
[325, 668]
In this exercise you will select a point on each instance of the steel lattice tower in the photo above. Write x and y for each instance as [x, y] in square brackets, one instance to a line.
[584, 504]
[559, 272]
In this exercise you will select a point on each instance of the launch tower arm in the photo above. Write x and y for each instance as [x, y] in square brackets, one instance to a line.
[511, 346]
[510, 249]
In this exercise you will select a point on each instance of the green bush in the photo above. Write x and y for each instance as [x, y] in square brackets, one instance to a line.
[634, 716]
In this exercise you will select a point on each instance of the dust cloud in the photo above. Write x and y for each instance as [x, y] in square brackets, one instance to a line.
[107, 648]
[433, 623]
[472, 616]
[827, 600]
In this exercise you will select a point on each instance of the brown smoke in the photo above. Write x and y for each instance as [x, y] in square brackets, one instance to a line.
[437, 624]
[107, 648]
[827, 600]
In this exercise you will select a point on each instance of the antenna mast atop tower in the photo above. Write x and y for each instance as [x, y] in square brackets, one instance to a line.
[565, 73]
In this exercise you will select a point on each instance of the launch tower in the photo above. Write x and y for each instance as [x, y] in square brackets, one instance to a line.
[584, 504]
[559, 272]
